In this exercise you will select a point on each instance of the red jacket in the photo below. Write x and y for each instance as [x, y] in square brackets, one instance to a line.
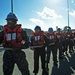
[38, 39]
[12, 37]
[52, 37]
[59, 35]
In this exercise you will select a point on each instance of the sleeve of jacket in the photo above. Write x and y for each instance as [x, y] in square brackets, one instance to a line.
[57, 40]
[31, 43]
[1, 36]
[47, 41]
[26, 39]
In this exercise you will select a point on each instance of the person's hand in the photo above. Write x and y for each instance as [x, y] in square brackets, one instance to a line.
[32, 49]
[23, 41]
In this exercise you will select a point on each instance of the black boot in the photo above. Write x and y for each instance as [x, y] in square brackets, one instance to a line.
[35, 73]
[55, 64]
[45, 72]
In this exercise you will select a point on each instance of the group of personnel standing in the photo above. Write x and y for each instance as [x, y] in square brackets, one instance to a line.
[15, 39]
[51, 41]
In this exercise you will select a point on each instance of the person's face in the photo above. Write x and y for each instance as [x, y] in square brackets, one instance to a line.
[11, 23]
[37, 30]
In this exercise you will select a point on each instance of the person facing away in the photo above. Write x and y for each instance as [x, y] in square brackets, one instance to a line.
[15, 38]
[39, 40]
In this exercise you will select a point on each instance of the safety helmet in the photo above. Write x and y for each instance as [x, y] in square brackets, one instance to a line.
[11, 16]
[50, 30]
[58, 29]
[69, 30]
[37, 27]
[68, 27]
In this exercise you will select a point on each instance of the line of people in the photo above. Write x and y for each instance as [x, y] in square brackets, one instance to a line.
[14, 37]
[54, 41]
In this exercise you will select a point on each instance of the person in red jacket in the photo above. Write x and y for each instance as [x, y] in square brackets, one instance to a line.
[59, 35]
[15, 39]
[73, 41]
[39, 41]
[52, 46]
[69, 38]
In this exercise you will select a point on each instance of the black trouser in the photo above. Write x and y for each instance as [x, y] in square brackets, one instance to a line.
[39, 52]
[59, 46]
[52, 48]
[70, 44]
[12, 57]
[64, 44]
